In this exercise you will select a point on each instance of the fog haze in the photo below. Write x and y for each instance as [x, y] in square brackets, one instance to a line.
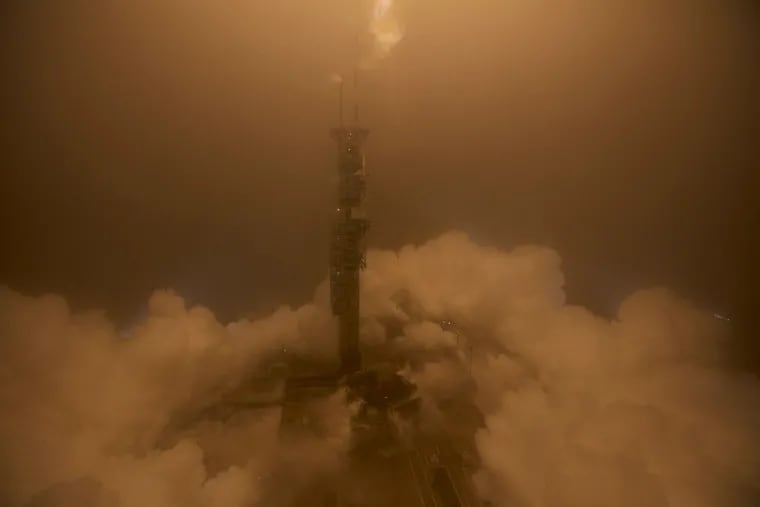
[184, 144]
[563, 252]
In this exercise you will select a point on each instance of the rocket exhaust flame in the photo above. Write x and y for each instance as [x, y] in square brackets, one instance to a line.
[385, 28]
[382, 7]
[385, 31]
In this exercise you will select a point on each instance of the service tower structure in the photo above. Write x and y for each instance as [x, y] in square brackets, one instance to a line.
[347, 246]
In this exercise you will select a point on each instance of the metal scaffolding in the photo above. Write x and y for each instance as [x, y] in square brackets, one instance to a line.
[347, 247]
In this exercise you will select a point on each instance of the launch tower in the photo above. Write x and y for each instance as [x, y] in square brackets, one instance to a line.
[347, 247]
[391, 458]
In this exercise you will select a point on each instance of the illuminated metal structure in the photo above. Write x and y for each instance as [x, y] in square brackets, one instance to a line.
[418, 468]
[347, 247]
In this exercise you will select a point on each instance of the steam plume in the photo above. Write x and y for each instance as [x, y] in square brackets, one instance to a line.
[576, 409]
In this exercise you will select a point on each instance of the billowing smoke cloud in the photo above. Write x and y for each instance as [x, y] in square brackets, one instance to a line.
[575, 410]
[91, 414]
[579, 410]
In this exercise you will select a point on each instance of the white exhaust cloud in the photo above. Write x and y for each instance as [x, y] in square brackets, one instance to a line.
[578, 410]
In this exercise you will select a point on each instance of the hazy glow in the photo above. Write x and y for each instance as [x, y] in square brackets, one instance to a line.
[382, 7]
[385, 27]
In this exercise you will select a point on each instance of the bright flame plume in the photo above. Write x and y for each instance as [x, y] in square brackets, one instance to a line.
[385, 28]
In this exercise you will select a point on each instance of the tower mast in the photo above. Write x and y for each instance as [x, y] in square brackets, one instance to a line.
[347, 248]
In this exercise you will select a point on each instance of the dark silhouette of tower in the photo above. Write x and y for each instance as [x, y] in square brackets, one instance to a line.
[347, 248]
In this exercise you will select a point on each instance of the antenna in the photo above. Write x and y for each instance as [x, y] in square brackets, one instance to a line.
[356, 96]
[340, 103]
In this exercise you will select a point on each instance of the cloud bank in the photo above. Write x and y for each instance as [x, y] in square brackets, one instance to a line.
[575, 410]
